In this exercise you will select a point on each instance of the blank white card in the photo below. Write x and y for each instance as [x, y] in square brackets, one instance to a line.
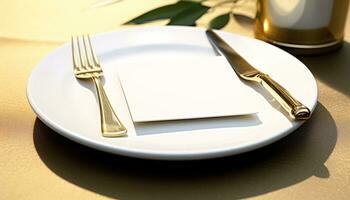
[174, 89]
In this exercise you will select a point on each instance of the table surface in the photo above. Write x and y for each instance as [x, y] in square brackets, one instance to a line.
[35, 162]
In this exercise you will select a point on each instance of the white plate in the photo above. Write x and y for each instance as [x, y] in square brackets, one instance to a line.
[69, 106]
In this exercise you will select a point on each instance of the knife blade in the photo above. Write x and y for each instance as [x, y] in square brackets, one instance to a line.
[246, 71]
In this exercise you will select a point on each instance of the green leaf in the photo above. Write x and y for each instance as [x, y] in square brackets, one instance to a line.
[219, 21]
[164, 12]
[189, 16]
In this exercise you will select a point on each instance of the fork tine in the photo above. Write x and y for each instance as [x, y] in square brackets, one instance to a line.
[81, 52]
[88, 55]
[76, 61]
[92, 51]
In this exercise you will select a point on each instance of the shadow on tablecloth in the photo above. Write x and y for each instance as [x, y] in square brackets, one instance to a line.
[332, 69]
[289, 161]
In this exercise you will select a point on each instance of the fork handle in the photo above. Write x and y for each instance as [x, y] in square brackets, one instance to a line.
[111, 126]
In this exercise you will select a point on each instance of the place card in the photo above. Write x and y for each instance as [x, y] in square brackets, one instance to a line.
[186, 88]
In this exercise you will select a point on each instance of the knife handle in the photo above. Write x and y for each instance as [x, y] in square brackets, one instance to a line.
[294, 108]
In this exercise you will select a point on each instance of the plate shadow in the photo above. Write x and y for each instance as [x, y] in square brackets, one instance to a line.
[289, 161]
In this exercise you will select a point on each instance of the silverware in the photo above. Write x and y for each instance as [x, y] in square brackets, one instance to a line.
[86, 66]
[247, 72]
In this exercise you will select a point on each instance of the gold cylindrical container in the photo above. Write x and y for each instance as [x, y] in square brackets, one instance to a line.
[303, 27]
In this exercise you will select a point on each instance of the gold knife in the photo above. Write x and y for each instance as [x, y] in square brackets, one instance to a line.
[247, 72]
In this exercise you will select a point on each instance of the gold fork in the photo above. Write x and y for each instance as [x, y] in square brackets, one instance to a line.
[86, 66]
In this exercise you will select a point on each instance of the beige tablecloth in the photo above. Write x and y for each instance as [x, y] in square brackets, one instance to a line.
[36, 163]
